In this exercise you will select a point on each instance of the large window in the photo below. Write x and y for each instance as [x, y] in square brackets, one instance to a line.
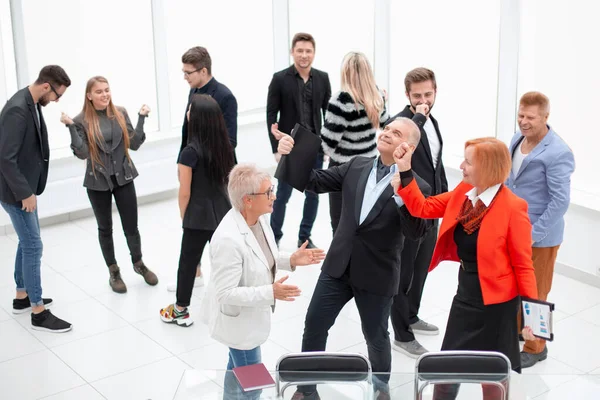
[559, 57]
[338, 26]
[112, 38]
[459, 41]
[239, 37]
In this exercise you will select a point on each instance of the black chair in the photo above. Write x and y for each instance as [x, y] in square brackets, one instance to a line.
[454, 367]
[320, 367]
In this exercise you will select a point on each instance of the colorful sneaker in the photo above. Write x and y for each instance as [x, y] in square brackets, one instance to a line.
[172, 315]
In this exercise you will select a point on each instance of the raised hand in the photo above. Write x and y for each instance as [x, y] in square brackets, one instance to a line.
[285, 292]
[145, 110]
[277, 134]
[304, 256]
[286, 144]
[65, 119]
[422, 109]
[403, 157]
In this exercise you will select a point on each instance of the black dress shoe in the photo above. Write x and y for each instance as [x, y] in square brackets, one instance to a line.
[529, 360]
[310, 244]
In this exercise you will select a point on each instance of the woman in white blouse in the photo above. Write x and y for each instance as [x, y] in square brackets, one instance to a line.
[242, 291]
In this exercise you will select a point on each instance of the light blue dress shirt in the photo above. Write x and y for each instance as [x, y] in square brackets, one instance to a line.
[374, 189]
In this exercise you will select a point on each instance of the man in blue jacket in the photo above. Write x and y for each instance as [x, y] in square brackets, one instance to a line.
[542, 165]
[197, 71]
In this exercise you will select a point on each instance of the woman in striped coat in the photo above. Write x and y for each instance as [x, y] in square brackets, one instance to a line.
[353, 116]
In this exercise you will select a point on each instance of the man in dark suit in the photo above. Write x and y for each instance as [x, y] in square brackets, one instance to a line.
[298, 94]
[421, 89]
[363, 261]
[197, 71]
[24, 155]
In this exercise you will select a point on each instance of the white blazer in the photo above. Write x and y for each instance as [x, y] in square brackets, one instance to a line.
[238, 299]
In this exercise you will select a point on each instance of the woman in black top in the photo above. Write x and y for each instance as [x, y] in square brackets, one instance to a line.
[102, 135]
[204, 165]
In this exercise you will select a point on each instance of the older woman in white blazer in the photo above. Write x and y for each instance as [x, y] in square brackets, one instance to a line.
[242, 291]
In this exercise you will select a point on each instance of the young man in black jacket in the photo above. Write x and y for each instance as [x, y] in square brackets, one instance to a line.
[421, 89]
[24, 155]
[297, 94]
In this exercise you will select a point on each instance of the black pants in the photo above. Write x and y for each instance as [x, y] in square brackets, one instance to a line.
[335, 204]
[330, 296]
[126, 200]
[192, 247]
[415, 260]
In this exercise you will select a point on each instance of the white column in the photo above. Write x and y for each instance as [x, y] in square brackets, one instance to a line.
[281, 35]
[18, 30]
[382, 44]
[159, 34]
[508, 69]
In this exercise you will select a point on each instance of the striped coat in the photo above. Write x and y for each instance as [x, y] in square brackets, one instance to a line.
[347, 131]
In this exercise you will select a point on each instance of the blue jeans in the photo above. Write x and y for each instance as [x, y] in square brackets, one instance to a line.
[309, 214]
[240, 358]
[29, 252]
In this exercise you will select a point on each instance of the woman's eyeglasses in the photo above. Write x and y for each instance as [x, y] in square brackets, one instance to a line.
[269, 193]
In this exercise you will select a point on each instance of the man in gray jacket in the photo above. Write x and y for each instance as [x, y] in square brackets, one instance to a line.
[24, 155]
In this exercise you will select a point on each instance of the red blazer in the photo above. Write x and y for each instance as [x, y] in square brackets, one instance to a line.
[503, 245]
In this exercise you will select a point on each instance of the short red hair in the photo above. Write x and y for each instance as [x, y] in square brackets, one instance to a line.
[492, 160]
[536, 99]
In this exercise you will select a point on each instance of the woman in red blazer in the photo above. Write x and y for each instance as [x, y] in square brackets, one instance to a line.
[486, 228]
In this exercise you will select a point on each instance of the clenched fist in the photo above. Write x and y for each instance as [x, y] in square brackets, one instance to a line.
[145, 110]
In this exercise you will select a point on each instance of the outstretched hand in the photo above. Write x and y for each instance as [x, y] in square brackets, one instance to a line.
[304, 256]
[285, 292]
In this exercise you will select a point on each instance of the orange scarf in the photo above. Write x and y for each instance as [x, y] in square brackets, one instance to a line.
[470, 217]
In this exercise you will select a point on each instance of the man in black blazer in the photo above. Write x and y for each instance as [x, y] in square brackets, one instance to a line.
[363, 260]
[24, 155]
[298, 94]
[197, 71]
[421, 89]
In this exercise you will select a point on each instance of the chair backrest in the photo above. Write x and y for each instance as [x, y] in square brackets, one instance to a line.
[493, 365]
[323, 366]
[463, 367]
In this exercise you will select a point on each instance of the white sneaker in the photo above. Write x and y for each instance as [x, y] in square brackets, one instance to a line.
[198, 282]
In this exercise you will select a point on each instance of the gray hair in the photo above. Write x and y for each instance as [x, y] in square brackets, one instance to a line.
[244, 179]
[414, 133]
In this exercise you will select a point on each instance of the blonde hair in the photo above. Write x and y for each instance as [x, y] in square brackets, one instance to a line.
[358, 80]
[244, 179]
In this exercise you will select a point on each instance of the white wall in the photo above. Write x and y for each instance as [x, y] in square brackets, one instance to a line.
[555, 56]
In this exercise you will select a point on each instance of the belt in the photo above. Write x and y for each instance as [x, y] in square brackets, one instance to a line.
[468, 266]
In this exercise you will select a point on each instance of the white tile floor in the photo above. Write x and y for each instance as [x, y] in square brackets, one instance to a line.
[119, 348]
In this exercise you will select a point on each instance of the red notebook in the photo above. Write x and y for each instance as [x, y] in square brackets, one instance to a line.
[253, 377]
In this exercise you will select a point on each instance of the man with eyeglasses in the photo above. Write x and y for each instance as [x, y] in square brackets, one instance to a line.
[197, 71]
[24, 155]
